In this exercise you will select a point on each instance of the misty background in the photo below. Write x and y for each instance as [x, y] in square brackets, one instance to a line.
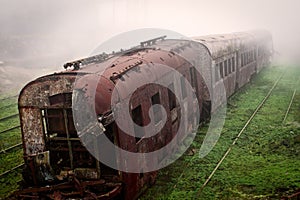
[38, 36]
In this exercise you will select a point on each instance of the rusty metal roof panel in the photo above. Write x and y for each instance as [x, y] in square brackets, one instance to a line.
[223, 44]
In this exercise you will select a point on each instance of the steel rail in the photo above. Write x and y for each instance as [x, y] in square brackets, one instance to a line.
[239, 134]
[12, 169]
[10, 148]
[290, 104]
[8, 117]
[288, 109]
[10, 129]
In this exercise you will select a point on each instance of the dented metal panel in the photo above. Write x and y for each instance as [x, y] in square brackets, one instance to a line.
[32, 129]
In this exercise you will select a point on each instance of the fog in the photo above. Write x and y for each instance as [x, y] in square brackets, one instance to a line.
[40, 35]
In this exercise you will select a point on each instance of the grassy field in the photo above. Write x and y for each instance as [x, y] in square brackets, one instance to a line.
[9, 159]
[263, 164]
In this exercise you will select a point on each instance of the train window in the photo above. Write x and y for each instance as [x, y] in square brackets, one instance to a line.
[137, 117]
[155, 99]
[194, 79]
[225, 68]
[229, 66]
[61, 98]
[217, 72]
[183, 88]
[221, 70]
[56, 121]
[172, 97]
[61, 136]
[233, 64]
[242, 59]
[248, 57]
[71, 126]
[141, 174]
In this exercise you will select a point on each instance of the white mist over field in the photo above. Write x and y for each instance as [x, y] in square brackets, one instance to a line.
[40, 36]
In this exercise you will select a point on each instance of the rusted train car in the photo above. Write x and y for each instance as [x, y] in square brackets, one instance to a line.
[58, 165]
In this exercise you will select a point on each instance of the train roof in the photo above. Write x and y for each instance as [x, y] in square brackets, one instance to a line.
[118, 62]
[223, 44]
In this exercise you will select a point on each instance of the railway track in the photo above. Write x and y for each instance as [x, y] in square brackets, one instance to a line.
[291, 102]
[11, 170]
[239, 134]
[8, 151]
[186, 166]
[10, 129]
[233, 143]
[7, 131]
[192, 178]
[10, 148]
[9, 117]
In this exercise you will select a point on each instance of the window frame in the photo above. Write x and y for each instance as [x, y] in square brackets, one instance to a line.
[155, 99]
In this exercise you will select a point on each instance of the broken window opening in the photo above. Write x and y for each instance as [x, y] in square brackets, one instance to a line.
[137, 118]
[155, 99]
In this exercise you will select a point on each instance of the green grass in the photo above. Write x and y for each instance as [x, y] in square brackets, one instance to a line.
[263, 164]
[12, 158]
[10, 138]
[9, 183]
[12, 109]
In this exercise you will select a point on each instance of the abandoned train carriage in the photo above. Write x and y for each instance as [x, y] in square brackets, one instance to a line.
[57, 165]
